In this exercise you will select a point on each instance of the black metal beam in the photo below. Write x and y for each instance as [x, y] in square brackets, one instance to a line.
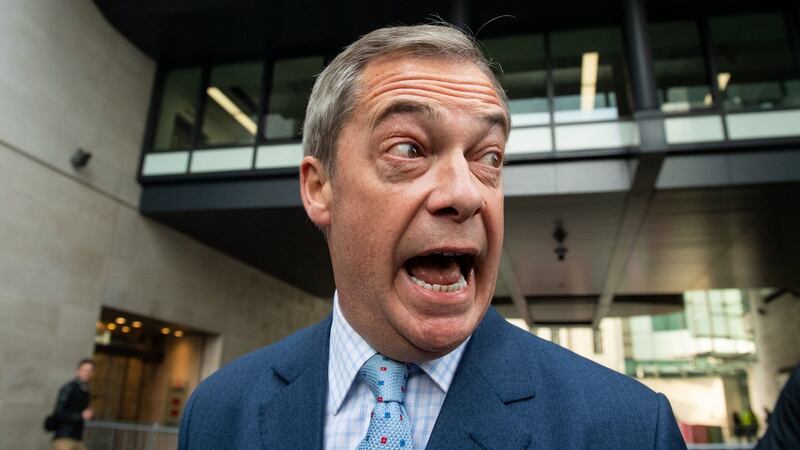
[778, 293]
[640, 58]
[459, 14]
[509, 276]
[224, 195]
[634, 214]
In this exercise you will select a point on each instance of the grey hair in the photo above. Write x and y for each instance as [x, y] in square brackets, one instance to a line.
[335, 92]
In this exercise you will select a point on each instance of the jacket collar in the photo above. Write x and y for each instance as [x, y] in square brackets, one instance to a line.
[491, 376]
[301, 369]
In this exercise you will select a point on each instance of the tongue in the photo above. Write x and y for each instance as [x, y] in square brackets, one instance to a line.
[442, 270]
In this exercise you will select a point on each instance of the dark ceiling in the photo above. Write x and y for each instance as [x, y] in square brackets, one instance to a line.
[195, 31]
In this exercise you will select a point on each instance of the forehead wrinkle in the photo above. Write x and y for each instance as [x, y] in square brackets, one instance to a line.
[463, 91]
[453, 83]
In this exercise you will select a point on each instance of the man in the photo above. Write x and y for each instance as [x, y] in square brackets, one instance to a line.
[404, 140]
[783, 431]
[72, 409]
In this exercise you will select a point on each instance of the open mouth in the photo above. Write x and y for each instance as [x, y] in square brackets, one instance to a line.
[441, 271]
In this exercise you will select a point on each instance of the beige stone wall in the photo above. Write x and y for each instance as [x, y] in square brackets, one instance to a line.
[68, 79]
[72, 242]
[67, 250]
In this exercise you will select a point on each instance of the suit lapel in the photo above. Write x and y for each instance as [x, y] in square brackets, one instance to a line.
[476, 412]
[295, 415]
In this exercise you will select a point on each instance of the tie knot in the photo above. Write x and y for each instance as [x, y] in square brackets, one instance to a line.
[386, 378]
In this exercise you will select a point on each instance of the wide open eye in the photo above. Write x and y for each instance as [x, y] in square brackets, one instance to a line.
[405, 150]
[494, 159]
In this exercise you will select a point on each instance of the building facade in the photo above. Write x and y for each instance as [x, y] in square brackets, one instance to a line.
[655, 150]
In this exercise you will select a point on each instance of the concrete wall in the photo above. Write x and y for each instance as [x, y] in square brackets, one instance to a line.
[67, 250]
[72, 242]
[69, 80]
[777, 334]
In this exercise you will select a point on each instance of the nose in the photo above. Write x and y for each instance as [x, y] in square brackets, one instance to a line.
[456, 194]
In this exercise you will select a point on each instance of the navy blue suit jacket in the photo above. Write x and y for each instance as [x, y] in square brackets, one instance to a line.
[512, 390]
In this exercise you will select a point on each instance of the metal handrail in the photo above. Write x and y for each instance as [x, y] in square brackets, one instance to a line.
[108, 435]
[127, 426]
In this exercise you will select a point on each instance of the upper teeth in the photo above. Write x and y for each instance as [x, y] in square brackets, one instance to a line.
[457, 286]
[449, 254]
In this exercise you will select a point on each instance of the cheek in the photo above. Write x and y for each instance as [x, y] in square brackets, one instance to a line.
[494, 215]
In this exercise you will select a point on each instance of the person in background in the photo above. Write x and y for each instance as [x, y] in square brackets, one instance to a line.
[72, 408]
[783, 431]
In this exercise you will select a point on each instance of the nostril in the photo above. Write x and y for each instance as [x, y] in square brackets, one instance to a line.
[448, 211]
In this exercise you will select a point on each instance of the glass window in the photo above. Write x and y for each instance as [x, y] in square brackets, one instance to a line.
[756, 68]
[232, 98]
[178, 110]
[680, 71]
[522, 74]
[697, 315]
[292, 80]
[667, 322]
[589, 76]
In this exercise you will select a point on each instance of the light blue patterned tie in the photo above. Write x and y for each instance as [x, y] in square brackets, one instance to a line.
[389, 427]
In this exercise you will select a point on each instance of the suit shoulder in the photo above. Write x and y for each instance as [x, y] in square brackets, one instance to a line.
[231, 381]
[556, 364]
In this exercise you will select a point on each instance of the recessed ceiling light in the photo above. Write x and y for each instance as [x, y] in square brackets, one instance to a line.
[232, 109]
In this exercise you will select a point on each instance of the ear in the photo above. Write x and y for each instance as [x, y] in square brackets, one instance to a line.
[315, 189]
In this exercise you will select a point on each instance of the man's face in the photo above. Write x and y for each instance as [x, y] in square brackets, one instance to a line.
[415, 224]
[85, 372]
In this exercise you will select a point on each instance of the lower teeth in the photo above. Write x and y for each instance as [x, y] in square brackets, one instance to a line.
[457, 286]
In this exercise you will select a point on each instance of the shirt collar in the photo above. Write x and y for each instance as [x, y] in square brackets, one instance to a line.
[349, 351]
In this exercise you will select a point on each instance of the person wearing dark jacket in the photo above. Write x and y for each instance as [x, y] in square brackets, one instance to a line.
[72, 409]
[784, 422]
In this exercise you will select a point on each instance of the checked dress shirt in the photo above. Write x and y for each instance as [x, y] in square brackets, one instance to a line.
[350, 401]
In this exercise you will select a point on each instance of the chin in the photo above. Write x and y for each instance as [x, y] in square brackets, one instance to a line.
[440, 336]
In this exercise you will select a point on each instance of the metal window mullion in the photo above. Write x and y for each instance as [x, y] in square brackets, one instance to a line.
[551, 104]
[266, 85]
[711, 69]
[153, 114]
[793, 34]
[205, 77]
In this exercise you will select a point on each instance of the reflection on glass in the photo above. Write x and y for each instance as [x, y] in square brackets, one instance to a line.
[292, 80]
[588, 75]
[680, 72]
[522, 74]
[755, 63]
[231, 110]
[178, 111]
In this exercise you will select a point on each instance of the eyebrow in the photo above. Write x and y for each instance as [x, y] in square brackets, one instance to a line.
[400, 107]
